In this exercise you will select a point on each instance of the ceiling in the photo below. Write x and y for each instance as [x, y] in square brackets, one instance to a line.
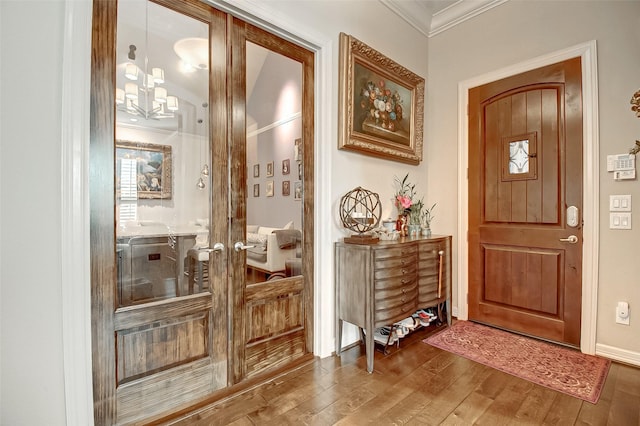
[431, 17]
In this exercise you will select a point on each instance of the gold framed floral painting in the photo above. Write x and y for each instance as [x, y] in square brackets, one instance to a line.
[381, 104]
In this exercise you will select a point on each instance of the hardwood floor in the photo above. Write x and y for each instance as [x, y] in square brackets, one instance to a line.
[418, 384]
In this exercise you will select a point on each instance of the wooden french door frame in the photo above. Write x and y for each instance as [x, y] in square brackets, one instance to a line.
[587, 51]
[296, 343]
[102, 215]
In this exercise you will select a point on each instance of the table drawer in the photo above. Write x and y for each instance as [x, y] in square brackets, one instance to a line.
[404, 272]
[400, 252]
[394, 312]
[395, 288]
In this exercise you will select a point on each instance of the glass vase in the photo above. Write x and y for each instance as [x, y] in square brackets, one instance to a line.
[414, 230]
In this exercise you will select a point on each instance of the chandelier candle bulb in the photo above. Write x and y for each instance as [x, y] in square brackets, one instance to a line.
[119, 96]
[158, 75]
[172, 103]
[161, 94]
[131, 90]
[131, 71]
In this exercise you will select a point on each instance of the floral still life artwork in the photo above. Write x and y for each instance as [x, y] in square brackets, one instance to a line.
[381, 104]
[381, 107]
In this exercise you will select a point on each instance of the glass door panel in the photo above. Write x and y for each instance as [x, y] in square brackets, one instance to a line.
[274, 161]
[163, 186]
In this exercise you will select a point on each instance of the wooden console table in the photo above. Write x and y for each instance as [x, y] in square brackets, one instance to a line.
[383, 283]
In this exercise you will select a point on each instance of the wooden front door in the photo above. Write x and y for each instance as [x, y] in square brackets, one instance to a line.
[525, 203]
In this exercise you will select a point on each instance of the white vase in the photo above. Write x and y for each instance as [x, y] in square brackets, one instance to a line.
[426, 231]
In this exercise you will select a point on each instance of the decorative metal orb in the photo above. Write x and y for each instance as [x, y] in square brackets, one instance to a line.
[360, 210]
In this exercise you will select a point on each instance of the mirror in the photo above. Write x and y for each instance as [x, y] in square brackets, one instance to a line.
[274, 163]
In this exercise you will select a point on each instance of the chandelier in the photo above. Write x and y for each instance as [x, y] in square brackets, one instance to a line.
[148, 99]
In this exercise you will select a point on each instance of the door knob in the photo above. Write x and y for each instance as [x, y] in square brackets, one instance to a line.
[217, 247]
[570, 239]
[239, 245]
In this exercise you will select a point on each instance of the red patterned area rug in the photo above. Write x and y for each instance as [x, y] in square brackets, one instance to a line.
[553, 366]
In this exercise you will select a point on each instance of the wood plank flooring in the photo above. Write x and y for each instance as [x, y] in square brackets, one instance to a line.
[418, 384]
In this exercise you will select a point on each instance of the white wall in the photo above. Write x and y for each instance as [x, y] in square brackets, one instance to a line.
[515, 32]
[31, 374]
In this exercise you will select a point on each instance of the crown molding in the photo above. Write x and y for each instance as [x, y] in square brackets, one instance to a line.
[415, 13]
[419, 13]
[459, 12]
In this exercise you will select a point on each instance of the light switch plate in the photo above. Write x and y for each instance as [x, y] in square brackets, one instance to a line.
[619, 220]
[619, 203]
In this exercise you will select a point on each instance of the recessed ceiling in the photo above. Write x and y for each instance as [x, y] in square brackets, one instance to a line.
[431, 17]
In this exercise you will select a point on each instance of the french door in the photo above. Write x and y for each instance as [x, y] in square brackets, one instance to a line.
[178, 314]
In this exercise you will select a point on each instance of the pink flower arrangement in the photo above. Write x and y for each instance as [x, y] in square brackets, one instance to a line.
[403, 201]
[405, 195]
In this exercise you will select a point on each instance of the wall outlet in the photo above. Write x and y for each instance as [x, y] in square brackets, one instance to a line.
[622, 313]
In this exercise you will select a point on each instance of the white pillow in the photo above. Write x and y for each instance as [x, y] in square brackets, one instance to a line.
[257, 239]
[252, 228]
[288, 225]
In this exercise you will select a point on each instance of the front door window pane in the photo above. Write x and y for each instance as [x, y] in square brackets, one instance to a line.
[519, 157]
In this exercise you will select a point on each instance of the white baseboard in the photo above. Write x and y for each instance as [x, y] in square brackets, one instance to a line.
[618, 354]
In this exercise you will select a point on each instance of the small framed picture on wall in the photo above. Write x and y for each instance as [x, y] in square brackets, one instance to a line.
[297, 150]
[256, 189]
[286, 188]
[256, 170]
[270, 169]
[269, 190]
[286, 167]
[297, 191]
